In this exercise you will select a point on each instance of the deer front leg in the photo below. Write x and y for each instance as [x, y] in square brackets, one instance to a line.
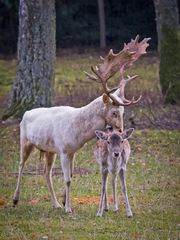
[122, 175]
[103, 192]
[115, 208]
[106, 206]
[71, 174]
[66, 167]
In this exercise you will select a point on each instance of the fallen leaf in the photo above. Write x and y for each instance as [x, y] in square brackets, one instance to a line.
[34, 201]
[2, 202]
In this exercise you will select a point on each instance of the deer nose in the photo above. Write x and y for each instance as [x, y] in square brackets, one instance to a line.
[116, 154]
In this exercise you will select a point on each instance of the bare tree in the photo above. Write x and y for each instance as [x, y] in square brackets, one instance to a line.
[102, 24]
[35, 57]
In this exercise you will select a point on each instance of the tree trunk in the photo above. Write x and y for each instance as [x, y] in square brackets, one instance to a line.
[158, 22]
[102, 24]
[163, 9]
[35, 58]
[169, 46]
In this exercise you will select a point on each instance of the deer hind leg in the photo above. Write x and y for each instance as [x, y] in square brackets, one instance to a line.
[49, 160]
[25, 150]
[122, 175]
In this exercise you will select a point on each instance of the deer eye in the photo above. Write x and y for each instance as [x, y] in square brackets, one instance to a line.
[108, 142]
[115, 114]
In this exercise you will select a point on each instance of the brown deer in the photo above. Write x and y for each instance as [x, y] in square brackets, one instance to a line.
[63, 130]
[112, 152]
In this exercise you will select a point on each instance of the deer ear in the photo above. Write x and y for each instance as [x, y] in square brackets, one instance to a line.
[127, 133]
[106, 99]
[101, 135]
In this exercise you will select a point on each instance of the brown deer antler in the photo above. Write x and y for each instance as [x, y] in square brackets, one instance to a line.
[138, 49]
[113, 63]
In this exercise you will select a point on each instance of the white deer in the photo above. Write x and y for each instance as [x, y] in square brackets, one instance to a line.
[63, 130]
[112, 152]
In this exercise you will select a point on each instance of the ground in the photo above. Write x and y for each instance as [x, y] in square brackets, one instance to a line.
[152, 175]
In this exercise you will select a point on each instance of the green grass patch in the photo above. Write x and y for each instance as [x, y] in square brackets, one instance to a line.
[7, 76]
[152, 177]
[152, 181]
[69, 76]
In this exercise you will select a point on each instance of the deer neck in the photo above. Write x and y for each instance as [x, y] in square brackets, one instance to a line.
[95, 107]
[90, 118]
[94, 113]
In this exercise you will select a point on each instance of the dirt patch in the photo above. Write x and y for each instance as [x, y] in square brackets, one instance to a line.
[153, 116]
[90, 200]
[56, 171]
[82, 200]
[150, 112]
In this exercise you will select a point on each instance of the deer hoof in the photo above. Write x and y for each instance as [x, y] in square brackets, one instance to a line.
[68, 210]
[115, 209]
[15, 202]
[99, 214]
[106, 209]
[130, 215]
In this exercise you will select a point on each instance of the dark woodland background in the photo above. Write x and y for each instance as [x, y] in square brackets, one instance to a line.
[77, 23]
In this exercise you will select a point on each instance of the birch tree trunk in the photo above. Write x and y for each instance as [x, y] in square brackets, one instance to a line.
[35, 58]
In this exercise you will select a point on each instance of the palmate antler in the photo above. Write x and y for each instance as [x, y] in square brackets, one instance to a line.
[119, 62]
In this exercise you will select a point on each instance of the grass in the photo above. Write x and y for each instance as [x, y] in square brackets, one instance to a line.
[152, 179]
[69, 76]
[153, 185]
[74, 65]
[7, 76]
